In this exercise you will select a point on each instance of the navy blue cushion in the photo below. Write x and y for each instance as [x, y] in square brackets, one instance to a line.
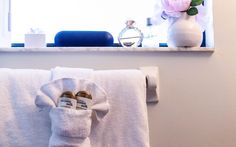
[83, 38]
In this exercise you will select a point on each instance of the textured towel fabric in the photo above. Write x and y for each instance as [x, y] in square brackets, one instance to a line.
[126, 124]
[50, 92]
[84, 73]
[21, 124]
[70, 122]
[66, 72]
[70, 127]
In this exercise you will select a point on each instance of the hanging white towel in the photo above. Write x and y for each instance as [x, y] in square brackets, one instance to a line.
[126, 124]
[21, 124]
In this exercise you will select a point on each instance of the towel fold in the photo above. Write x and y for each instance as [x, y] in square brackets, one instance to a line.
[126, 124]
[70, 127]
[62, 141]
[70, 123]
[100, 104]
[49, 94]
[66, 72]
[21, 124]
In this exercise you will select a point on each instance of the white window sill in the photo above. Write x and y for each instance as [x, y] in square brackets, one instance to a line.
[106, 49]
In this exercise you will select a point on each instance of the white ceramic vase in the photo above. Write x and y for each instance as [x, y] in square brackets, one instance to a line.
[184, 32]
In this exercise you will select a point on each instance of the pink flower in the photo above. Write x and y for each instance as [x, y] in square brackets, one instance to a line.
[175, 7]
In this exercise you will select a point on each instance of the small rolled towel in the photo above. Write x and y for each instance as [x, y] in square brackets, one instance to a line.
[70, 127]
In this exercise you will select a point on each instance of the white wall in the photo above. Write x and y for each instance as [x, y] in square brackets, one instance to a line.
[198, 90]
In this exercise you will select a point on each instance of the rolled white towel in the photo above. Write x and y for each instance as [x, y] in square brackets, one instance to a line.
[71, 127]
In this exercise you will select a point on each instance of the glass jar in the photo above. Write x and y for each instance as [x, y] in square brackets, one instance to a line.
[84, 100]
[67, 100]
[130, 36]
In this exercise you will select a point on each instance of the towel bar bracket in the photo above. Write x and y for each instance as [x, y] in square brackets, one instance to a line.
[152, 83]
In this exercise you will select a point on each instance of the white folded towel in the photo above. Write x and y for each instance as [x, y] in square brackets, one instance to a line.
[71, 127]
[49, 93]
[66, 72]
[100, 104]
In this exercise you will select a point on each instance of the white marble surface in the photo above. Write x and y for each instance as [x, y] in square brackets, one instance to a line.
[104, 49]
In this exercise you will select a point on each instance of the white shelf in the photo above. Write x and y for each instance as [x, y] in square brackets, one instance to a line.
[105, 49]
